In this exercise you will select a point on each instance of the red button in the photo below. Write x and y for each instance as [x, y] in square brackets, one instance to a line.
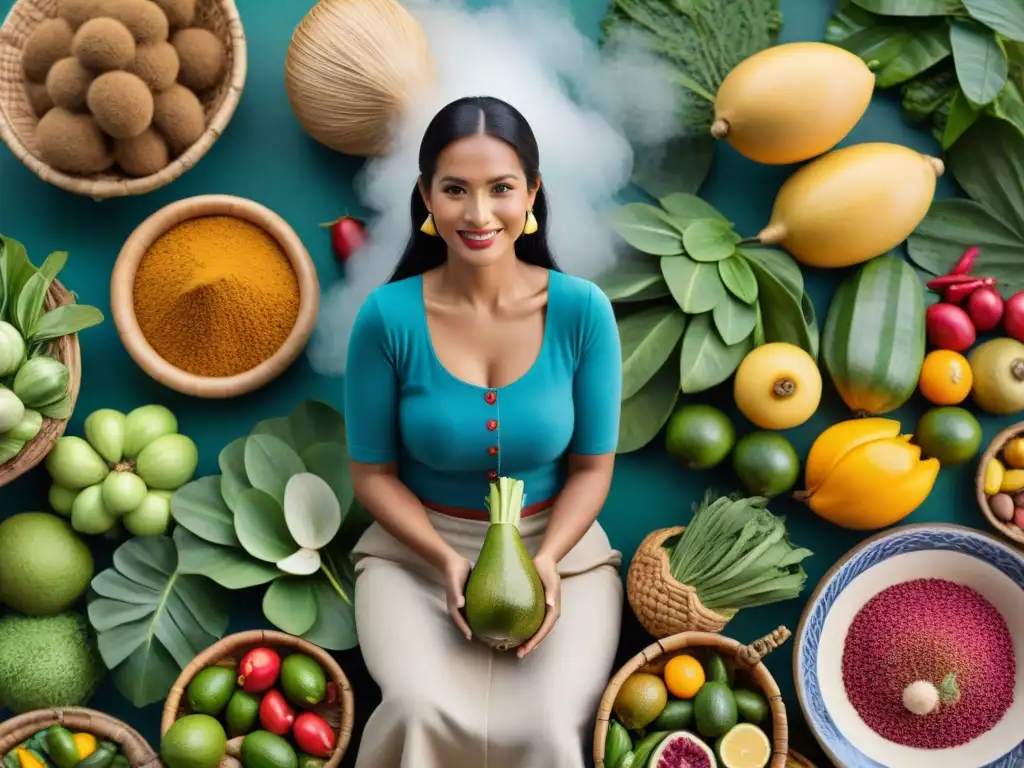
[492, 425]
[492, 475]
[493, 450]
[491, 398]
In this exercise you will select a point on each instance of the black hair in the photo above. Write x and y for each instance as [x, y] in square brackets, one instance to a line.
[468, 117]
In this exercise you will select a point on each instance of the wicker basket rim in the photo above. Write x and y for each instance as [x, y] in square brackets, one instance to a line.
[1013, 533]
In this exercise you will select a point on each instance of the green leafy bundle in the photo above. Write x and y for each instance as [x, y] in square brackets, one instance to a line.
[702, 41]
[953, 60]
[691, 303]
[736, 554]
[988, 163]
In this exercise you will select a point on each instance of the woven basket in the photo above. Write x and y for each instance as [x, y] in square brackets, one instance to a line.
[18, 121]
[796, 760]
[228, 652]
[138, 751]
[67, 350]
[1012, 532]
[661, 604]
[749, 669]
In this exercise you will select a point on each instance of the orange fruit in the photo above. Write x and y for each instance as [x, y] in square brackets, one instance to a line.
[946, 377]
[684, 676]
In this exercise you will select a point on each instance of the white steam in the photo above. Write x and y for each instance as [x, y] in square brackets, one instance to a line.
[582, 104]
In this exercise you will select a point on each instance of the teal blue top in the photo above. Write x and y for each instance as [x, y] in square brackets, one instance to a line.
[449, 437]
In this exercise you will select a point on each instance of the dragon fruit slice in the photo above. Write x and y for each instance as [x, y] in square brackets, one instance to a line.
[683, 750]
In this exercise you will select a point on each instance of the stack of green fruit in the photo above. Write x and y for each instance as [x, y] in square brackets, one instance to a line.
[57, 747]
[125, 470]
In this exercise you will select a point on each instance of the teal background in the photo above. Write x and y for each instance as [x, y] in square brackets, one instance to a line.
[265, 156]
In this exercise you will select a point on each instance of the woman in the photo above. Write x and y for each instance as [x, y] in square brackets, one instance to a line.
[479, 359]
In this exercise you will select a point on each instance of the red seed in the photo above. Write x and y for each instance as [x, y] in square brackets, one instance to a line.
[955, 294]
[1013, 316]
[966, 263]
[276, 715]
[985, 308]
[258, 670]
[949, 327]
[944, 281]
[313, 735]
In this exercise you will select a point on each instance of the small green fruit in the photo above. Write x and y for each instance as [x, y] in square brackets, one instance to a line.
[194, 741]
[699, 436]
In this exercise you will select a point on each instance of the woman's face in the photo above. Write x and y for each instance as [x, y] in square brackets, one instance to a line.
[479, 197]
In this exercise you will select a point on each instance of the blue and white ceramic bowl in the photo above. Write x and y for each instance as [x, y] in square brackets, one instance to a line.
[963, 555]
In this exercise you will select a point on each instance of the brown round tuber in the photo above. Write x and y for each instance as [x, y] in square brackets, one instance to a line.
[68, 83]
[72, 142]
[103, 45]
[49, 43]
[121, 103]
[144, 155]
[180, 13]
[179, 117]
[157, 65]
[202, 57]
[1002, 506]
[76, 12]
[143, 18]
[38, 98]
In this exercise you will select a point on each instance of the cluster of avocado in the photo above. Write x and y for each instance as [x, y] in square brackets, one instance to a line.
[118, 81]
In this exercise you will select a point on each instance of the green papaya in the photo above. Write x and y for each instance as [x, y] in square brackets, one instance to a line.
[873, 342]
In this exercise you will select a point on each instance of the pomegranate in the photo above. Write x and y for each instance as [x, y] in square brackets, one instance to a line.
[949, 327]
[1013, 316]
[313, 735]
[276, 715]
[985, 308]
[258, 670]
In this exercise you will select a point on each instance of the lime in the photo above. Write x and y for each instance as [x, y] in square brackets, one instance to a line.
[303, 680]
[751, 706]
[44, 566]
[952, 435]
[714, 710]
[640, 700]
[744, 746]
[210, 690]
[699, 436]
[677, 715]
[194, 741]
[718, 671]
[242, 713]
[766, 463]
[263, 749]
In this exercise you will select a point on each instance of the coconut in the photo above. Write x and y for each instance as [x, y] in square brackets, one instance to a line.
[179, 117]
[121, 103]
[180, 13]
[143, 155]
[157, 64]
[68, 83]
[103, 45]
[38, 98]
[49, 43]
[143, 18]
[202, 57]
[682, 750]
[72, 142]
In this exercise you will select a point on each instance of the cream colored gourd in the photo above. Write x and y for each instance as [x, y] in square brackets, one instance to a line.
[792, 102]
[852, 204]
[352, 69]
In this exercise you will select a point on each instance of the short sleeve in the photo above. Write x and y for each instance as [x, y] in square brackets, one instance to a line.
[371, 389]
[597, 388]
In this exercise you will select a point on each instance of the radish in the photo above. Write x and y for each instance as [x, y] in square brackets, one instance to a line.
[985, 308]
[1013, 316]
[950, 327]
[348, 235]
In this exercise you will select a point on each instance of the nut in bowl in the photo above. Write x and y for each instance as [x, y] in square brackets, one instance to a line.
[1000, 483]
[214, 296]
[258, 698]
[109, 98]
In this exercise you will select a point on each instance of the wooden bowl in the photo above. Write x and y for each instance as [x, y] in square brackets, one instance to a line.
[18, 121]
[749, 669]
[78, 719]
[67, 350]
[122, 287]
[1010, 531]
[340, 713]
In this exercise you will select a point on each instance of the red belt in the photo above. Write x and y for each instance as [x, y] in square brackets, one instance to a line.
[481, 514]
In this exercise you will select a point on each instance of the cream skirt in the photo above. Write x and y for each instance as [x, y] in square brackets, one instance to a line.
[452, 703]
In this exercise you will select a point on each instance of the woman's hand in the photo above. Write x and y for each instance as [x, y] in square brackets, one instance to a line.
[456, 571]
[547, 569]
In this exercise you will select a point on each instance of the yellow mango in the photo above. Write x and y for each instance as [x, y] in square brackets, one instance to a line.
[1013, 481]
[852, 204]
[834, 443]
[791, 102]
[86, 744]
[994, 472]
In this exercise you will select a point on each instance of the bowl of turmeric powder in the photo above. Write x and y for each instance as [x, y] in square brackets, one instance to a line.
[214, 296]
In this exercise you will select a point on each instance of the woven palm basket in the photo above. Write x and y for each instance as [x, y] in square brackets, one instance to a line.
[78, 719]
[745, 660]
[18, 121]
[66, 350]
[661, 604]
[795, 760]
[338, 710]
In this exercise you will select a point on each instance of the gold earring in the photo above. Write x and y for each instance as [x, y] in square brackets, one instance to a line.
[531, 223]
[428, 227]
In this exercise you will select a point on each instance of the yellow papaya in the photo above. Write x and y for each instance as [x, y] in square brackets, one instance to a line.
[792, 102]
[852, 204]
[874, 479]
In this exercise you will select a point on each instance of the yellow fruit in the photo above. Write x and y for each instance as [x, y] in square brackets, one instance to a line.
[998, 366]
[862, 474]
[994, 476]
[1013, 453]
[684, 676]
[791, 102]
[777, 386]
[852, 204]
[945, 378]
[86, 744]
[640, 700]
[1013, 481]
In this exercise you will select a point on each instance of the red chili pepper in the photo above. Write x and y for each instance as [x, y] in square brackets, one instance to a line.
[275, 714]
[348, 235]
[944, 281]
[956, 293]
[966, 263]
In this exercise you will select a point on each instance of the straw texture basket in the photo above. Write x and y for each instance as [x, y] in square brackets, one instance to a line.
[138, 751]
[746, 660]
[67, 350]
[796, 760]
[661, 604]
[18, 121]
[1010, 531]
[340, 713]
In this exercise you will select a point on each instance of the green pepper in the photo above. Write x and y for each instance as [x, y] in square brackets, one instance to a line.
[646, 746]
[616, 744]
[60, 746]
[103, 757]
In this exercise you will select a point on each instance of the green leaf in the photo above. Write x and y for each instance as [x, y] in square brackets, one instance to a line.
[633, 280]
[330, 462]
[30, 305]
[684, 209]
[988, 162]
[710, 240]
[876, 39]
[16, 271]
[758, 335]
[923, 49]
[290, 604]
[335, 625]
[734, 320]
[646, 228]
[1004, 16]
[780, 264]
[681, 164]
[1009, 105]
[784, 311]
[52, 266]
[696, 287]
[233, 480]
[648, 339]
[645, 413]
[270, 463]
[279, 427]
[314, 421]
[311, 511]
[911, 7]
[167, 620]
[738, 278]
[981, 65]
[961, 117]
[261, 528]
[810, 324]
[928, 96]
[706, 360]
[230, 567]
[199, 507]
[66, 319]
